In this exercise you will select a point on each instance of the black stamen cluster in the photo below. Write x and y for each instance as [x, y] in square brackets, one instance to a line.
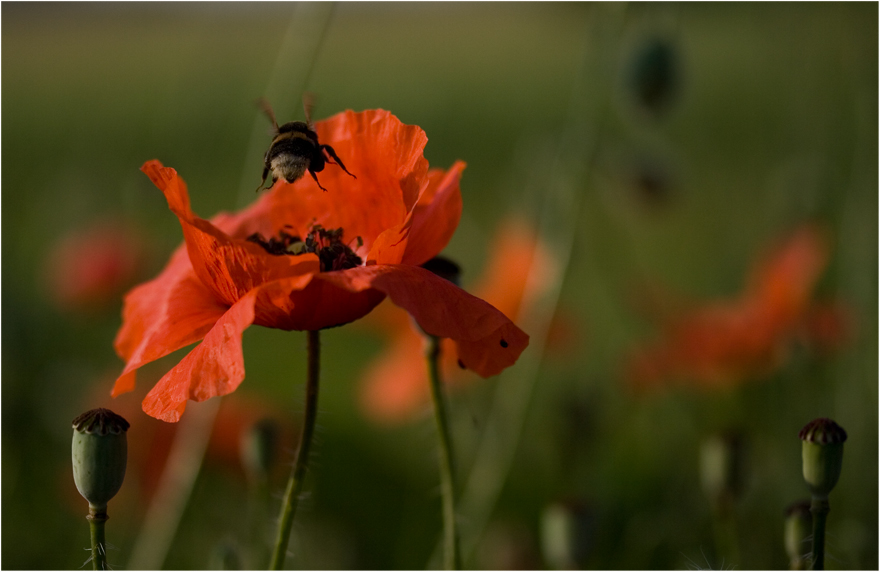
[285, 243]
[333, 254]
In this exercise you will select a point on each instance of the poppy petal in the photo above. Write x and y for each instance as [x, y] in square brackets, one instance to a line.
[214, 367]
[312, 302]
[163, 315]
[436, 216]
[487, 340]
[396, 385]
[428, 227]
[229, 267]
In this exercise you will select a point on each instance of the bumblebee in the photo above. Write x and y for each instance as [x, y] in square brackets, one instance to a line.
[295, 149]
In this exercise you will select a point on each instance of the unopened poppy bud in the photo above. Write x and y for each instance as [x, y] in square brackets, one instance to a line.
[444, 268]
[722, 469]
[566, 535]
[99, 454]
[798, 527]
[258, 446]
[822, 455]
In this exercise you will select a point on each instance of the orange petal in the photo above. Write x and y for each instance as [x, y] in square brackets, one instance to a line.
[312, 302]
[396, 384]
[487, 340]
[215, 367]
[435, 217]
[163, 315]
[516, 257]
[230, 267]
[783, 281]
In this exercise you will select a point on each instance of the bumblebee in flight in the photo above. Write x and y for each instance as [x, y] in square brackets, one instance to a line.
[295, 149]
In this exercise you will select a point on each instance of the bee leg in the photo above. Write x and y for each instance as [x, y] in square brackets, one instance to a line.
[260, 186]
[329, 152]
[314, 176]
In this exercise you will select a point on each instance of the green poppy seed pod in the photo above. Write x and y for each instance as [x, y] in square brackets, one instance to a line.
[258, 446]
[99, 455]
[822, 455]
[798, 527]
[566, 535]
[722, 469]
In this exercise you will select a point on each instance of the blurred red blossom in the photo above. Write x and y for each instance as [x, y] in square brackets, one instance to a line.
[329, 259]
[88, 268]
[725, 342]
[395, 386]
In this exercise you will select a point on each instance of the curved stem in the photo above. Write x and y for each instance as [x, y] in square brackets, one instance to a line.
[297, 476]
[451, 552]
[97, 517]
[820, 509]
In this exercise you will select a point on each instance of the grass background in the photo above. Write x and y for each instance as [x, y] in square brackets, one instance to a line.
[774, 121]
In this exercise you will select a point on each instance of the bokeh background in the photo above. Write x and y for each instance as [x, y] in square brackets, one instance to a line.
[658, 151]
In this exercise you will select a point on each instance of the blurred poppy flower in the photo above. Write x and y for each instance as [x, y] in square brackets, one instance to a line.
[726, 342]
[89, 268]
[329, 259]
[395, 386]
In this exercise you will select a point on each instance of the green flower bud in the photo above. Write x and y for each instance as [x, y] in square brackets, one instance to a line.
[99, 456]
[258, 446]
[566, 535]
[822, 455]
[798, 527]
[444, 268]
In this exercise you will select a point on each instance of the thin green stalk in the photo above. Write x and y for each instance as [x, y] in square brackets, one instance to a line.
[451, 552]
[97, 517]
[820, 509]
[297, 476]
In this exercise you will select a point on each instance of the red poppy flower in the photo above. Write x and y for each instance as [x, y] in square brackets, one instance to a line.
[359, 242]
[395, 386]
[89, 268]
[726, 342]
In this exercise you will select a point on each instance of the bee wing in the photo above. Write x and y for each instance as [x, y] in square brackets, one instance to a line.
[308, 104]
[263, 104]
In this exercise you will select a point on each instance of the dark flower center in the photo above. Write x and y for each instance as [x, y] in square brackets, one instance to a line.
[333, 254]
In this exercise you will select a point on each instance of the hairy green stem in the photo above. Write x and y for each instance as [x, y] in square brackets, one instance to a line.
[820, 509]
[451, 552]
[297, 476]
[97, 517]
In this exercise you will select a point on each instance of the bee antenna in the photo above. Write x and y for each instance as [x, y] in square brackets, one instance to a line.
[263, 104]
[308, 104]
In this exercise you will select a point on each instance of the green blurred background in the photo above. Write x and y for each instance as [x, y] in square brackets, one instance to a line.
[766, 117]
